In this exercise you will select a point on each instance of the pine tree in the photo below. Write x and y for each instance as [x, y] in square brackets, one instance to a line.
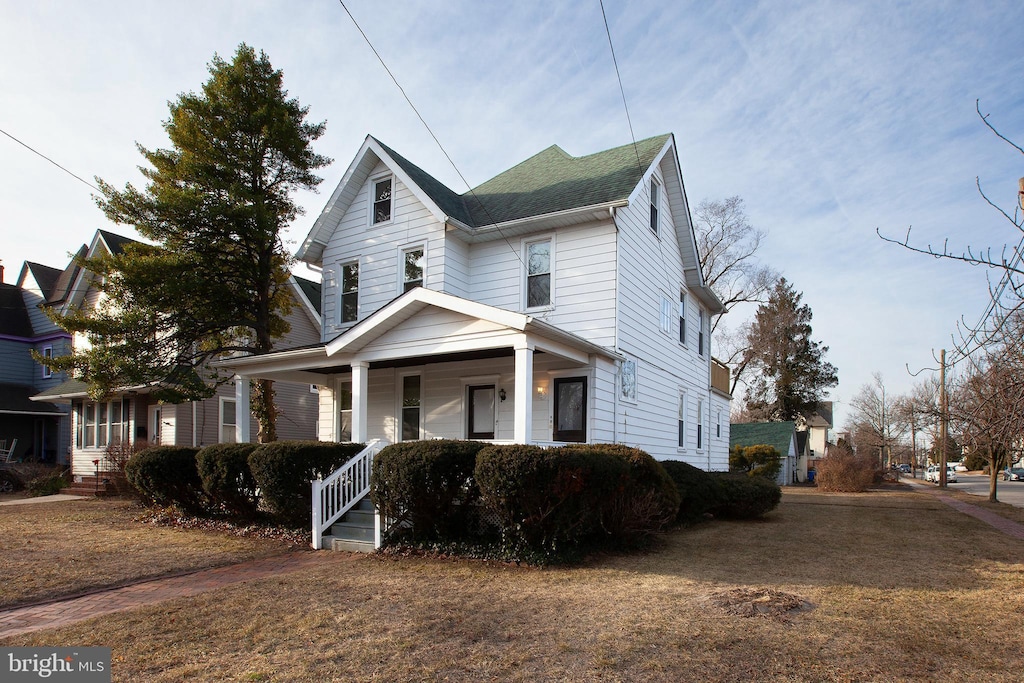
[214, 281]
[791, 374]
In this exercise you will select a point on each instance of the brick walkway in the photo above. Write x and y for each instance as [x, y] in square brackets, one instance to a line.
[68, 611]
[1007, 526]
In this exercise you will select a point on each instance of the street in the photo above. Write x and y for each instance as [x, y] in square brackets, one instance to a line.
[1010, 492]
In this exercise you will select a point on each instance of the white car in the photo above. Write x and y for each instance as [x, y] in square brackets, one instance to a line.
[932, 474]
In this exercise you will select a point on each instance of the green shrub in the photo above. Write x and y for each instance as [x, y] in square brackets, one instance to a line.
[743, 497]
[696, 490]
[548, 500]
[645, 502]
[759, 460]
[167, 475]
[283, 471]
[226, 477]
[428, 484]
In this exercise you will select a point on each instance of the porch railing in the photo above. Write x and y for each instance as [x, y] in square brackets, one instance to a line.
[339, 492]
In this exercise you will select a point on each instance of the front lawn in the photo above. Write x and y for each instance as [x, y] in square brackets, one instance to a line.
[886, 585]
[63, 548]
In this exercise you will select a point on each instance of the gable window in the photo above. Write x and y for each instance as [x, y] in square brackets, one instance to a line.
[666, 315]
[345, 412]
[628, 374]
[570, 409]
[700, 331]
[350, 292]
[481, 412]
[411, 400]
[412, 268]
[47, 353]
[682, 420]
[655, 199]
[700, 423]
[227, 420]
[682, 318]
[382, 201]
[538, 274]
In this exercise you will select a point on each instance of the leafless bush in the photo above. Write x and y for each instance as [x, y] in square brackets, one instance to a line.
[843, 471]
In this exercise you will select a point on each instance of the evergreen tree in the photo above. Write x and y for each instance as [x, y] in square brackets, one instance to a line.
[791, 374]
[214, 281]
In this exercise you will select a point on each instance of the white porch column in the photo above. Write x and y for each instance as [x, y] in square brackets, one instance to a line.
[242, 409]
[523, 431]
[360, 391]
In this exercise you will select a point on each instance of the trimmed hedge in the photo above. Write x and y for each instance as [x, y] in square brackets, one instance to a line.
[697, 491]
[226, 478]
[428, 484]
[758, 460]
[548, 500]
[744, 497]
[283, 471]
[646, 500]
[167, 475]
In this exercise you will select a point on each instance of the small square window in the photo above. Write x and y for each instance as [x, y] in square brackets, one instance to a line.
[382, 201]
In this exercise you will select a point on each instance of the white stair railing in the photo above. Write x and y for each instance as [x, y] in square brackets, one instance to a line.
[339, 492]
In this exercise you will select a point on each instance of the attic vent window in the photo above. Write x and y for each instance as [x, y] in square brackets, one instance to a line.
[382, 201]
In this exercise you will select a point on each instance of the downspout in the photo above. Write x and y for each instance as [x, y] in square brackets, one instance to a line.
[194, 416]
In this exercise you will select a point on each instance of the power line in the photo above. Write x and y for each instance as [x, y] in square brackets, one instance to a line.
[429, 130]
[49, 159]
[618, 76]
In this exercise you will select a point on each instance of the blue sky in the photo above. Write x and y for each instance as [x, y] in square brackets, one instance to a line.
[830, 119]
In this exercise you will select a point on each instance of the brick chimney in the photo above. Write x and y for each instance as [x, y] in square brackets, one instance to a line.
[1, 272]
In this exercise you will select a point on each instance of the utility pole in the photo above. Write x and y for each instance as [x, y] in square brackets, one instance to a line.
[943, 419]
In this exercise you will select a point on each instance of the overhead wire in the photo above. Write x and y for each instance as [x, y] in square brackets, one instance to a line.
[37, 152]
[622, 90]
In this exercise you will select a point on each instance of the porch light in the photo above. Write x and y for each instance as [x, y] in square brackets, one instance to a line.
[542, 390]
[502, 395]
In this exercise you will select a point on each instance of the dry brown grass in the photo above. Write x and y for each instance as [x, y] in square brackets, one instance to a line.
[898, 586]
[62, 548]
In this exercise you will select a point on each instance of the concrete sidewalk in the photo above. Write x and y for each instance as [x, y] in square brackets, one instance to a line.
[1007, 526]
[57, 497]
[63, 612]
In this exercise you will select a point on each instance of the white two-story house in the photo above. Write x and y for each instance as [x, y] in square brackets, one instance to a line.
[561, 301]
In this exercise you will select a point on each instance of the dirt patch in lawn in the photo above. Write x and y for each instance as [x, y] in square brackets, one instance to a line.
[767, 603]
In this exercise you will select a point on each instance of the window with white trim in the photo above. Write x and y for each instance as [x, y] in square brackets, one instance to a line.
[681, 420]
[382, 205]
[345, 412]
[700, 331]
[666, 315]
[47, 353]
[228, 420]
[700, 423]
[100, 424]
[655, 199]
[538, 273]
[718, 424]
[412, 268]
[682, 318]
[349, 294]
[412, 400]
[628, 380]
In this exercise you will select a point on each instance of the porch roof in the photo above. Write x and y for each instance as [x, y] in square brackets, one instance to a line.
[15, 399]
[496, 335]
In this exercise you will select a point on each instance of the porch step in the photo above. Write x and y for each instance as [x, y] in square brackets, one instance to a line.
[88, 486]
[354, 531]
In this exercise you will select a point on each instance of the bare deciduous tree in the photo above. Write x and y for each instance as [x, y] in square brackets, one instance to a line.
[878, 422]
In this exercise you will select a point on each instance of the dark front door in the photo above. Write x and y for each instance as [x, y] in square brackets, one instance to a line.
[570, 409]
[481, 412]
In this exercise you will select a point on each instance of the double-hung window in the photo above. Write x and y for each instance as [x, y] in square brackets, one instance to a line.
[382, 206]
[682, 318]
[228, 420]
[47, 354]
[700, 423]
[411, 404]
[666, 315]
[700, 332]
[538, 273]
[350, 292]
[345, 412]
[682, 420]
[412, 268]
[655, 199]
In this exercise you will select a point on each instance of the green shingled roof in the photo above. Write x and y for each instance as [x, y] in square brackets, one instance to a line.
[547, 182]
[776, 434]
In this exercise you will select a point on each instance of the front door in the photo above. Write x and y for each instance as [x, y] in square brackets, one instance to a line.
[481, 412]
[570, 409]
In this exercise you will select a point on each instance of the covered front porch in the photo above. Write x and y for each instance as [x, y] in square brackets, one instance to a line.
[431, 365]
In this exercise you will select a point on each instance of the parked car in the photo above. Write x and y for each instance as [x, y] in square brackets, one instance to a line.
[1013, 474]
[932, 474]
[904, 468]
[950, 474]
[960, 467]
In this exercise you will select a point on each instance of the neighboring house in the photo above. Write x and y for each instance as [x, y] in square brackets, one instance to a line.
[816, 426]
[132, 415]
[42, 430]
[561, 301]
[780, 435]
